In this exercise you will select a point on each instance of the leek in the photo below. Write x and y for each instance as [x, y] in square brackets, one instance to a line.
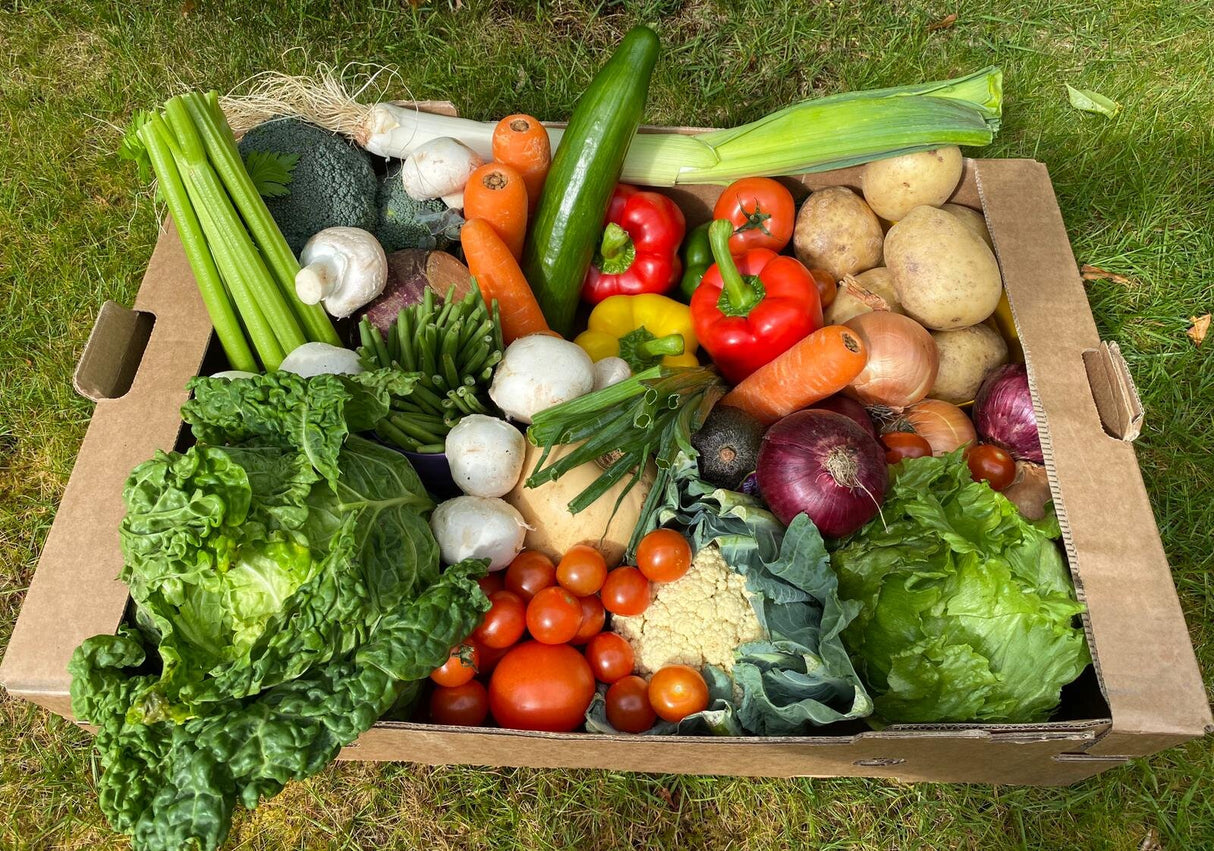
[818, 134]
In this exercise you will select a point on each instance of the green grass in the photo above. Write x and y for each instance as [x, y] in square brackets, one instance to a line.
[1135, 193]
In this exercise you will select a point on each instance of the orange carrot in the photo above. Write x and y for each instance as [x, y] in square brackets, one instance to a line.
[818, 366]
[499, 278]
[497, 194]
[520, 141]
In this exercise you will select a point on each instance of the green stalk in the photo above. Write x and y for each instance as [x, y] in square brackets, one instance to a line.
[194, 243]
[268, 349]
[209, 193]
[225, 158]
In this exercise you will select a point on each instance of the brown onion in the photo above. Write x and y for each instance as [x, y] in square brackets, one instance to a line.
[902, 359]
[1030, 490]
[942, 424]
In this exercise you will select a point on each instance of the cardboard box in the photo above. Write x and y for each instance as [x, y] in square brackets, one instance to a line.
[1145, 692]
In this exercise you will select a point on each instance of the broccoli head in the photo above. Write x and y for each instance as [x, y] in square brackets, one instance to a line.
[332, 185]
[406, 223]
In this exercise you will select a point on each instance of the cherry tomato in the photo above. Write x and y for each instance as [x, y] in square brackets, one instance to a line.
[554, 616]
[460, 666]
[904, 444]
[625, 592]
[610, 657]
[762, 212]
[628, 708]
[465, 705]
[541, 687]
[489, 657]
[582, 570]
[593, 616]
[991, 464]
[828, 287]
[677, 691]
[491, 582]
[505, 621]
[528, 573]
[663, 555]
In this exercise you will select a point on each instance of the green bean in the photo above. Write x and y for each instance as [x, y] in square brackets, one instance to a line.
[450, 372]
[404, 340]
[392, 434]
[443, 314]
[470, 399]
[428, 340]
[364, 336]
[418, 432]
[381, 351]
[430, 448]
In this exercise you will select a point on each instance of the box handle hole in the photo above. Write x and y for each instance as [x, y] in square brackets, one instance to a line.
[113, 352]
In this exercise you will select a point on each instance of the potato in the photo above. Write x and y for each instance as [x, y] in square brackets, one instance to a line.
[837, 232]
[895, 186]
[973, 220]
[946, 277]
[966, 356]
[554, 530]
[847, 304]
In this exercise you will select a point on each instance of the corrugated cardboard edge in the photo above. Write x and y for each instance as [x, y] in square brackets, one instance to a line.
[75, 592]
[1143, 648]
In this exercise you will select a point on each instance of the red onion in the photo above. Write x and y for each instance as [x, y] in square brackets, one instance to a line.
[825, 465]
[1003, 413]
[849, 408]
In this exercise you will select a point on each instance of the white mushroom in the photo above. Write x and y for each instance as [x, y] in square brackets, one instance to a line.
[440, 169]
[321, 359]
[344, 267]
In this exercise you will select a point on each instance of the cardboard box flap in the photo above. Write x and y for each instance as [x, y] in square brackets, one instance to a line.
[1143, 646]
[1114, 392]
[75, 592]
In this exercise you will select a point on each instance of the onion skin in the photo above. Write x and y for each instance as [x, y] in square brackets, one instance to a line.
[902, 360]
[1030, 490]
[1003, 413]
[942, 424]
[824, 465]
[849, 408]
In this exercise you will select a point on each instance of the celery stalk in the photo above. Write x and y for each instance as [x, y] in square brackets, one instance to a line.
[225, 158]
[194, 243]
[208, 191]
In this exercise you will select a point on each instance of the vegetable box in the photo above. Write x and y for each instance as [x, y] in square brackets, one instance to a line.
[1143, 694]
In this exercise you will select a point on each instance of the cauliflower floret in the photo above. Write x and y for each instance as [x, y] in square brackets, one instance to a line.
[696, 620]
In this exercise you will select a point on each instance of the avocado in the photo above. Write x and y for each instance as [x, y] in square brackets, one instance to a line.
[728, 445]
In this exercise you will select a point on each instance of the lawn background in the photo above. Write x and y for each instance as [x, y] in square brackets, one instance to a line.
[1136, 193]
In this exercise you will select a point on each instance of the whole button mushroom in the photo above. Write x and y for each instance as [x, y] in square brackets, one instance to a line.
[344, 267]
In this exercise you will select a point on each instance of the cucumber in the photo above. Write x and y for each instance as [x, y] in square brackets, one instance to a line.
[584, 172]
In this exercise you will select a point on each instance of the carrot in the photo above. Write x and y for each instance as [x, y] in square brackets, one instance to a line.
[498, 276]
[497, 194]
[818, 366]
[520, 141]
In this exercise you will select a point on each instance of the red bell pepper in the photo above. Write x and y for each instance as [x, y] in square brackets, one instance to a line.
[639, 252]
[752, 308]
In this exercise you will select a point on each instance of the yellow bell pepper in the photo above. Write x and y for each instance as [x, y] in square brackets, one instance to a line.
[644, 330]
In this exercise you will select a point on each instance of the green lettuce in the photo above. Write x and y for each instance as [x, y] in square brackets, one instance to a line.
[967, 609]
[287, 592]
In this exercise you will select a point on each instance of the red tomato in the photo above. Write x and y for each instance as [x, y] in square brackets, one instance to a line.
[528, 573]
[541, 687]
[465, 705]
[625, 592]
[628, 708]
[677, 691]
[491, 582]
[762, 212]
[582, 570]
[663, 555]
[828, 287]
[904, 444]
[593, 616]
[610, 657]
[460, 666]
[554, 616]
[505, 621]
[991, 464]
[489, 657]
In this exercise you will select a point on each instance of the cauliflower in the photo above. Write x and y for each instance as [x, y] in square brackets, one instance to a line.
[696, 620]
